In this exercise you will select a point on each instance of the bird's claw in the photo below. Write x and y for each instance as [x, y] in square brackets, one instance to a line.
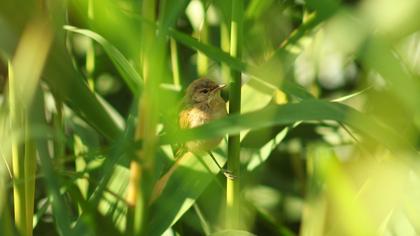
[229, 174]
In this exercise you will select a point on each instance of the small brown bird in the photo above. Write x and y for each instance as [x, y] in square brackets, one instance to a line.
[202, 103]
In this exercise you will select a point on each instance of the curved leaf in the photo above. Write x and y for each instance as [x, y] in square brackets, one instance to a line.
[306, 110]
[126, 70]
[182, 189]
[232, 232]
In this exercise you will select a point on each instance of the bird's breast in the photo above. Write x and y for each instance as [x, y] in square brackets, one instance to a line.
[203, 113]
[199, 114]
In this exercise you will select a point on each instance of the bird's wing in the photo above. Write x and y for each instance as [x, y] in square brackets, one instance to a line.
[184, 123]
[184, 119]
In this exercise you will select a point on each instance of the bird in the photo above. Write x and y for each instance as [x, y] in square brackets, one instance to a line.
[201, 104]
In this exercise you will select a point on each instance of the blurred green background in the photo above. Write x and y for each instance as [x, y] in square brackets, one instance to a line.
[329, 125]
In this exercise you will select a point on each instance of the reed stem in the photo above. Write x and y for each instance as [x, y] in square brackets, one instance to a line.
[146, 127]
[202, 60]
[175, 63]
[79, 147]
[18, 161]
[30, 172]
[233, 185]
[225, 45]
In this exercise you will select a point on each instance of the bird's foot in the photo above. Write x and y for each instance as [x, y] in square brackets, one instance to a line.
[229, 174]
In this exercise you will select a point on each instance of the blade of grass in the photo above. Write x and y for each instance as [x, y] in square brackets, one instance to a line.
[306, 110]
[204, 223]
[126, 70]
[341, 191]
[186, 184]
[62, 219]
[232, 233]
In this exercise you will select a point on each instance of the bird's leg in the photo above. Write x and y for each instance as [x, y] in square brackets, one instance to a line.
[226, 172]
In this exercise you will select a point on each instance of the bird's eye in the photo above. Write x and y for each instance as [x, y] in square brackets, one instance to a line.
[205, 91]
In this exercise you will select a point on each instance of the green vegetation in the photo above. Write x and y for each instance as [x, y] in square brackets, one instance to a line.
[322, 136]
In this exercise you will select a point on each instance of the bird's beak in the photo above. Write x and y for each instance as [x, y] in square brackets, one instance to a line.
[219, 87]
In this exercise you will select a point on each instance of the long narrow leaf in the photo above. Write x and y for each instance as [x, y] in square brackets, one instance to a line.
[307, 110]
[126, 70]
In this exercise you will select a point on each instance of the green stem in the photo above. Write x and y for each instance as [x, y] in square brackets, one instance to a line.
[16, 115]
[204, 224]
[30, 171]
[225, 45]
[146, 125]
[90, 64]
[233, 185]
[59, 146]
[24, 162]
[90, 54]
[80, 163]
[202, 60]
[175, 63]
[79, 147]
[5, 222]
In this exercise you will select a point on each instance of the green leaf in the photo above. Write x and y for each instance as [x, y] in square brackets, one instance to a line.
[210, 51]
[262, 154]
[60, 209]
[218, 55]
[183, 188]
[231, 232]
[170, 12]
[68, 85]
[126, 70]
[256, 72]
[306, 110]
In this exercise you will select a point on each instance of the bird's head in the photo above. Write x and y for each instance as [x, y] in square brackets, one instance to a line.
[203, 90]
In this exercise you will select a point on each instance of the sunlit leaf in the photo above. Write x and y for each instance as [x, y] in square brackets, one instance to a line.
[126, 70]
[232, 233]
[307, 110]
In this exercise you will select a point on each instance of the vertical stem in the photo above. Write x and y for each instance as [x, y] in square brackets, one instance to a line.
[80, 151]
[79, 148]
[175, 63]
[225, 44]
[59, 145]
[146, 126]
[203, 36]
[6, 222]
[90, 64]
[90, 54]
[30, 170]
[233, 187]
[17, 158]
[28, 62]
[202, 60]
